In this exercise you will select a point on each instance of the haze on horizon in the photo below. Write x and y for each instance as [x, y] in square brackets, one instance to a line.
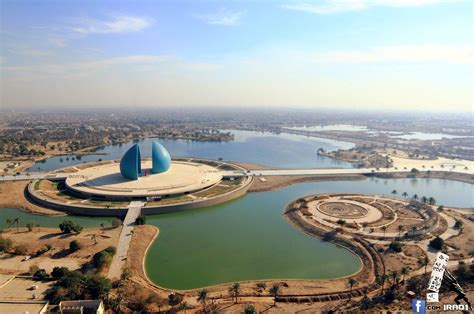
[357, 54]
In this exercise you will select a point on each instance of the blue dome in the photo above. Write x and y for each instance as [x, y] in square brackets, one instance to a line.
[130, 164]
[160, 157]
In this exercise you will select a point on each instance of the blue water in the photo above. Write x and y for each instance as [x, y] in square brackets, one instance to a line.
[284, 150]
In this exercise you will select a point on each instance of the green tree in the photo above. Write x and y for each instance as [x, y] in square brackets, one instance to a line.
[341, 222]
[74, 246]
[437, 243]
[384, 229]
[395, 277]
[351, 282]
[17, 222]
[5, 244]
[68, 226]
[405, 271]
[184, 306]
[423, 262]
[431, 200]
[249, 309]
[59, 272]
[202, 298]
[234, 291]
[400, 230]
[274, 292]
[405, 194]
[380, 280]
[394, 192]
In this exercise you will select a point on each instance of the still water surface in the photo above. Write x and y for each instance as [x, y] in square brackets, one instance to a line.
[284, 150]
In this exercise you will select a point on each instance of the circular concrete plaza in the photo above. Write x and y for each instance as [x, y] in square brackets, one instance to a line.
[334, 208]
[106, 180]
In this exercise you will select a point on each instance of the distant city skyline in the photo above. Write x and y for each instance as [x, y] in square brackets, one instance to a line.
[356, 54]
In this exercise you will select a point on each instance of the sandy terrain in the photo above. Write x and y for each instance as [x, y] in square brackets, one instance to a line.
[59, 255]
[18, 289]
[464, 242]
[13, 196]
[439, 164]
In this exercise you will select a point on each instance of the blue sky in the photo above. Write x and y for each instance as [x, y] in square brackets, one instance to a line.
[392, 54]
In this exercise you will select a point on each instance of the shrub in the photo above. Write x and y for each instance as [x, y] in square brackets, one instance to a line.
[103, 258]
[437, 243]
[111, 250]
[395, 246]
[74, 246]
[43, 249]
[59, 272]
[21, 249]
[41, 274]
[459, 224]
[75, 286]
[33, 269]
[30, 226]
[68, 226]
[116, 223]
[5, 244]
[141, 220]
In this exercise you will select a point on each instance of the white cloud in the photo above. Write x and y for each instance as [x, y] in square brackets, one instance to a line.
[118, 24]
[402, 53]
[337, 6]
[223, 17]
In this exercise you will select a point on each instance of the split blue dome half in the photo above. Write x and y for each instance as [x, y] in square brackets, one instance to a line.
[160, 157]
[130, 164]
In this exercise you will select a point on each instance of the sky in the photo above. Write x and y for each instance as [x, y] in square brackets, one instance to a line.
[357, 54]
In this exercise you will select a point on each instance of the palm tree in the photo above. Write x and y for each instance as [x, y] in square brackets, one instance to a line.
[16, 221]
[183, 306]
[394, 192]
[404, 271]
[341, 222]
[9, 222]
[274, 291]
[351, 282]
[405, 194]
[381, 281]
[202, 298]
[384, 229]
[424, 199]
[415, 196]
[400, 229]
[395, 277]
[423, 262]
[431, 200]
[102, 226]
[234, 291]
[94, 237]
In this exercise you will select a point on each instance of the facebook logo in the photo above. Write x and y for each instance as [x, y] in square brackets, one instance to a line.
[418, 306]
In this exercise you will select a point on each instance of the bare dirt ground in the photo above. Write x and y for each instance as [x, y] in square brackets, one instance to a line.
[464, 242]
[19, 289]
[13, 196]
[59, 255]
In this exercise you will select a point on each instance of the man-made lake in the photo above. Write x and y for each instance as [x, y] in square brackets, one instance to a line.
[249, 238]
[284, 150]
[331, 127]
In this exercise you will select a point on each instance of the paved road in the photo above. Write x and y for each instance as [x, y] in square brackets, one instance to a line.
[134, 210]
[273, 172]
